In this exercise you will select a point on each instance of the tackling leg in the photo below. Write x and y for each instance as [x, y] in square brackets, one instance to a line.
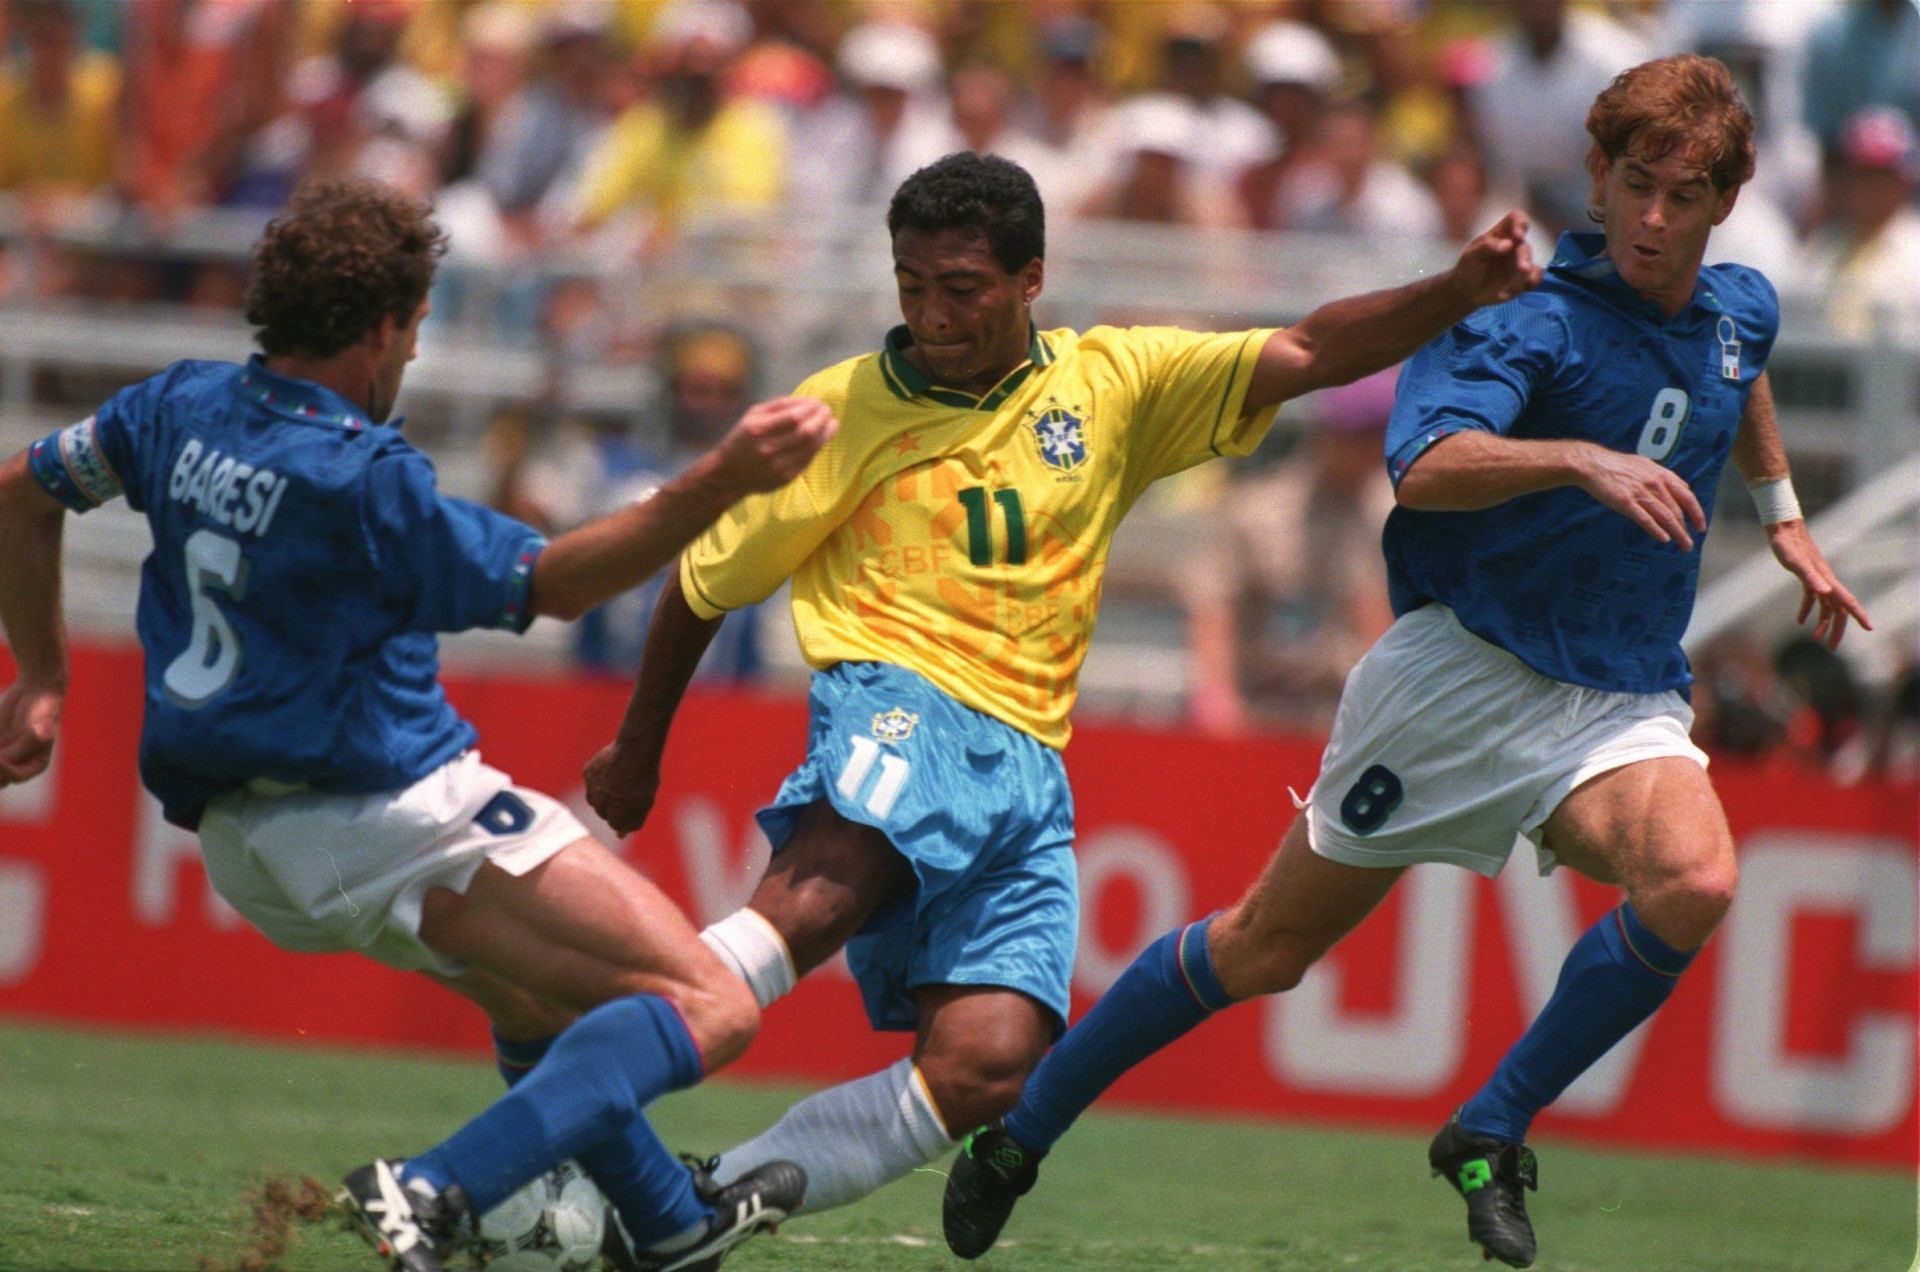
[1295, 911]
[1656, 829]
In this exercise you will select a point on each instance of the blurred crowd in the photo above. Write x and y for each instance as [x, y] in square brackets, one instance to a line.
[1803, 705]
[537, 124]
[617, 129]
[557, 477]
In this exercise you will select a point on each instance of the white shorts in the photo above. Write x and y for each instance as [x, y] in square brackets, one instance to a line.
[321, 873]
[1446, 748]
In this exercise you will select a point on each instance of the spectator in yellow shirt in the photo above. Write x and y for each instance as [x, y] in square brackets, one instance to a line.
[59, 127]
[686, 153]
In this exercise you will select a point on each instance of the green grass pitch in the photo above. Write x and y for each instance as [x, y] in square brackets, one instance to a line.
[137, 1152]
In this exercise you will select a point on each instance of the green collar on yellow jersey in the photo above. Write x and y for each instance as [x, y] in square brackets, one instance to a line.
[907, 381]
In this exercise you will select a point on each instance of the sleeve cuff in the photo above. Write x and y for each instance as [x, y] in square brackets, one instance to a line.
[1235, 432]
[69, 466]
[1401, 460]
[516, 615]
[697, 599]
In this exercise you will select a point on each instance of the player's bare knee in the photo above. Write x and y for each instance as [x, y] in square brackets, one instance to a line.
[1277, 970]
[1684, 909]
[730, 1035]
[722, 1016]
[1250, 963]
[1707, 893]
[977, 1087]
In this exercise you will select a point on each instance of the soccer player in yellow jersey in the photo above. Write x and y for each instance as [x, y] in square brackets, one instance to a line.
[946, 551]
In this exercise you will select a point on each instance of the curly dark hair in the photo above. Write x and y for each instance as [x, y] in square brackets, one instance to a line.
[971, 191]
[342, 256]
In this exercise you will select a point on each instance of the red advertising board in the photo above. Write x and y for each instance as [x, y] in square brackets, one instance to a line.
[1795, 1031]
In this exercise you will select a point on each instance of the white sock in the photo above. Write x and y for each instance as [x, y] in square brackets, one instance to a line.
[851, 1139]
[756, 952]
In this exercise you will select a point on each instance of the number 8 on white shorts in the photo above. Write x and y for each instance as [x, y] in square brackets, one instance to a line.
[1371, 800]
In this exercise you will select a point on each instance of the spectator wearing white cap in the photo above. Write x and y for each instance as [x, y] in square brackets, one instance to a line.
[1293, 69]
[889, 121]
[1865, 263]
[1162, 176]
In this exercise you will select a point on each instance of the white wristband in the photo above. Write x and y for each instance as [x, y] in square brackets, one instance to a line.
[1775, 501]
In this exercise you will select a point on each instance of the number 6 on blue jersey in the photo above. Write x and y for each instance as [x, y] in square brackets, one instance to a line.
[212, 657]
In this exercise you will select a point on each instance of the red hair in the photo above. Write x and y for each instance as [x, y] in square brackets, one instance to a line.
[1688, 103]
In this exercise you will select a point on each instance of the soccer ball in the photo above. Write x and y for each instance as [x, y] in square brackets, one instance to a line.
[554, 1224]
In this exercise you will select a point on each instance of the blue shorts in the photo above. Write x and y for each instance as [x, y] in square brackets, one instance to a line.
[980, 810]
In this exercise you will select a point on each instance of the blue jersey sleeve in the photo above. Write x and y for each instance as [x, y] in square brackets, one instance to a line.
[1479, 375]
[446, 565]
[87, 464]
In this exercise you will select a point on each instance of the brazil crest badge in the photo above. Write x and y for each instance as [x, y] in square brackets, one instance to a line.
[895, 725]
[1062, 438]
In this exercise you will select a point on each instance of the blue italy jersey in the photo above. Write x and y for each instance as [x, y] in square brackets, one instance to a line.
[302, 561]
[1571, 588]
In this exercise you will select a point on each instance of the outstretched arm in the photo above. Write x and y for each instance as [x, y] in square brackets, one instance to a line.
[1475, 469]
[31, 524]
[624, 777]
[587, 566]
[1358, 335]
[1762, 462]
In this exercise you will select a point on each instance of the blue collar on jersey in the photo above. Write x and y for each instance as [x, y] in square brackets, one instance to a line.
[907, 381]
[303, 399]
[1580, 254]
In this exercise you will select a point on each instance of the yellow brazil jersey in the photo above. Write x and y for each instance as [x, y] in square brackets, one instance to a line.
[965, 538]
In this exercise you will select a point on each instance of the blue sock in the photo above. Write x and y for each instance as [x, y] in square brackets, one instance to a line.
[635, 1172]
[515, 1059]
[1166, 991]
[647, 1184]
[1615, 976]
[586, 1095]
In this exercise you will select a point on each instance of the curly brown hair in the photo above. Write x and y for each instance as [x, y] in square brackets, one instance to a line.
[341, 257]
[1688, 102]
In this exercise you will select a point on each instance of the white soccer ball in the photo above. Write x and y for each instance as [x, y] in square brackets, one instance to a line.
[554, 1224]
